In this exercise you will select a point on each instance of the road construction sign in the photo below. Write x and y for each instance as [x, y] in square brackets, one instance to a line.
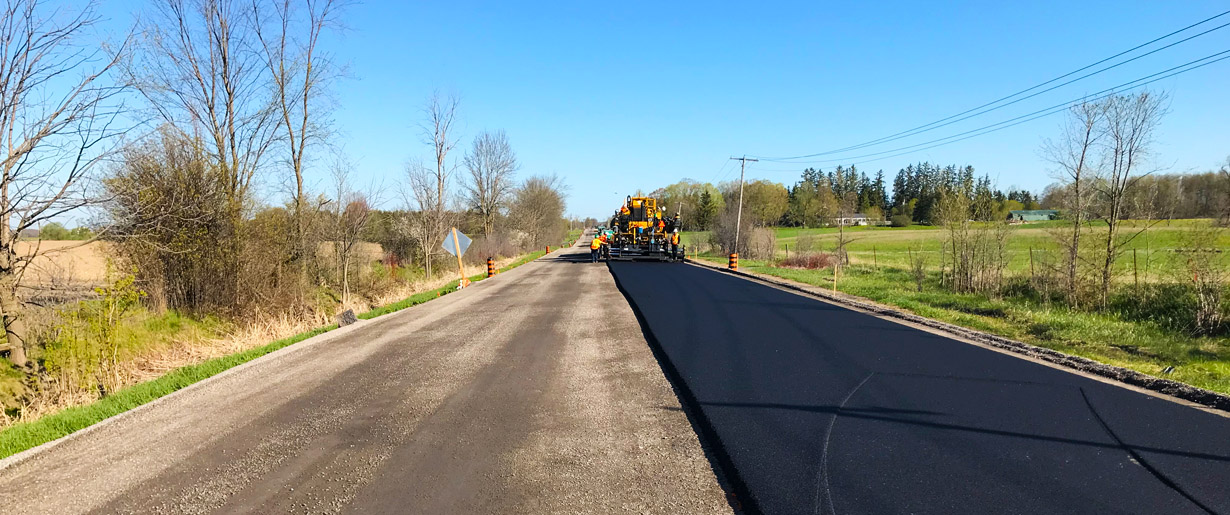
[456, 242]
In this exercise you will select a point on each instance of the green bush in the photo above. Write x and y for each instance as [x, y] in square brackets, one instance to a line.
[57, 232]
[900, 220]
[89, 341]
[1171, 306]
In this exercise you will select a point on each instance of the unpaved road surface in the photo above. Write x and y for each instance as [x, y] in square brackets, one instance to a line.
[534, 392]
[818, 408]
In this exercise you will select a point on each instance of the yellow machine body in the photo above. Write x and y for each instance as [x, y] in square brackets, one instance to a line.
[642, 230]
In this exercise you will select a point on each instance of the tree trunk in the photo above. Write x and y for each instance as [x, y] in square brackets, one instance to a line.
[346, 279]
[300, 236]
[1073, 255]
[14, 326]
[1109, 264]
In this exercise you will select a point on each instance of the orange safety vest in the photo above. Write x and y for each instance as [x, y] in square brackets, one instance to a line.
[602, 239]
[674, 238]
[596, 244]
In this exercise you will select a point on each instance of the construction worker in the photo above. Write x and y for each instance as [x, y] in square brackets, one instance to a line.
[594, 247]
[675, 244]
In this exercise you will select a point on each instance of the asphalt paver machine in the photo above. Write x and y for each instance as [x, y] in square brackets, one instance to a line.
[642, 230]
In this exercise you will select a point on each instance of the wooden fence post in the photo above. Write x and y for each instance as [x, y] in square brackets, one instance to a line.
[1031, 264]
[1135, 270]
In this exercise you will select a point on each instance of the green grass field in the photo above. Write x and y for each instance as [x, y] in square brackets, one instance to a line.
[879, 273]
[1150, 256]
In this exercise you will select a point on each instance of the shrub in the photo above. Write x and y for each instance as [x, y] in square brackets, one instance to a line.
[918, 268]
[901, 220]
[89, 343]
[723, 234]
[809, 260]
[805, 242]
[762, 243]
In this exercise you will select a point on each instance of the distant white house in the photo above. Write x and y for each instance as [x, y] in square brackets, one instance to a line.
[854, 219]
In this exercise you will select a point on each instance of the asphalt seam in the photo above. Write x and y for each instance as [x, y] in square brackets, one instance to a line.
[1141, 459]
[1167, 387]
[742, 501]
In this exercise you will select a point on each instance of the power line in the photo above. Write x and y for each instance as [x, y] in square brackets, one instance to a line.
[1148, 79]
[719, 175]
[950, 119]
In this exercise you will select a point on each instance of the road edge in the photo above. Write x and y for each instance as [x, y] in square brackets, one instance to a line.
[738, 495]
[329, 335]
[1206, 399]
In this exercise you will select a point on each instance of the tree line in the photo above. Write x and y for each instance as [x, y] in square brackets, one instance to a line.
[823, 199]
[818, 197]
[195, 143]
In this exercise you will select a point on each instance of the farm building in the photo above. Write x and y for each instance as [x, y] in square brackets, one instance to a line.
[854, 219]
[1033, 215]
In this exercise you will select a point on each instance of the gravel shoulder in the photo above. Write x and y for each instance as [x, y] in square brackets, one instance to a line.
[532, 392]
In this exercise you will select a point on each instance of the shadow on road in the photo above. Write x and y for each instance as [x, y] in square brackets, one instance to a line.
[899, 416]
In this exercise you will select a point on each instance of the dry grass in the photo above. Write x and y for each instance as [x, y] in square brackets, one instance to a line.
[184, 352]
[191, 345]
[809, 261]
[404, 290]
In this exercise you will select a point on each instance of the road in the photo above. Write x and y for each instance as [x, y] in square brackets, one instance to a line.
[822, 409]
[533, 392]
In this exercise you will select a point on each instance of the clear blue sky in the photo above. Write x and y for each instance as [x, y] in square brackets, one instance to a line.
[616, 96]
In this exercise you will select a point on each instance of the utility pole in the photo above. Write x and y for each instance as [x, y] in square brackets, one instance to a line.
[739, 217]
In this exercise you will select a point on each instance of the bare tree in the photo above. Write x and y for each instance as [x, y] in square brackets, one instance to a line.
[846, 204]
[538, 210]
[440, 114]
[440, 118]
[1130, 122]
[59, 116]
[200, 71]
[491, 163]
[1221, 194]
[420, 194]
[352, 211]
[1075, 153]
[300, 73]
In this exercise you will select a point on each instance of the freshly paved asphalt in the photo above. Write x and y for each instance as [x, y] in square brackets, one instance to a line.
[822, 409]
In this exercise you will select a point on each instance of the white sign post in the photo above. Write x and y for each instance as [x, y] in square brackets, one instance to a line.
[456, 244]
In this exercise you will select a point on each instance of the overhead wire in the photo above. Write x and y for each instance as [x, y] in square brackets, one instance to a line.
[980, 110]
[1133, 84]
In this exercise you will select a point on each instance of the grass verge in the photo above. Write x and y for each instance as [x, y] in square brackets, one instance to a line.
[425, 296]
[27, 435]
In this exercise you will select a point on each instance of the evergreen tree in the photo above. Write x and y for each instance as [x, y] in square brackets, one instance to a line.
[706, 211]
